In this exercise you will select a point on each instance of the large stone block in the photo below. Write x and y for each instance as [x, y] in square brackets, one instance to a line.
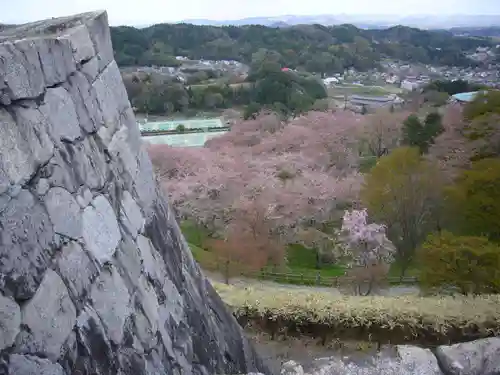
[120, 151]
[64, 212]
[131, 215]
[480, 357]
[111, 94]
[85, 99]
[100, 229]
[10, 320]
[48, 317]
[20, 71]
[111, 300]
[25, 246]
[129, 261]
[128, 120]
[56, 59]
[145, 184]
[90, 69]
[98, 27]
[77, 270]
[24, 145]
[96, 355]
[415, 360]
[30, 365]
[60, 110]
[81, 43]
[73, 166]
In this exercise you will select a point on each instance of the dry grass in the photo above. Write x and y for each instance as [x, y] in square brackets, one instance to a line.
[402, 319]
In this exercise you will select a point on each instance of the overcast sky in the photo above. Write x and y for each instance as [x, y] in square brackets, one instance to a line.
[138, 12]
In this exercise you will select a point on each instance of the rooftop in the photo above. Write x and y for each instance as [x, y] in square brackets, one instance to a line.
[383, 99]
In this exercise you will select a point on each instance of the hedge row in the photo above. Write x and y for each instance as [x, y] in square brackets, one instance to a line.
[396, 320]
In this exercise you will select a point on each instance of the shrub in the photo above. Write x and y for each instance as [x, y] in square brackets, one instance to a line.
[398, 320]
[469, 264]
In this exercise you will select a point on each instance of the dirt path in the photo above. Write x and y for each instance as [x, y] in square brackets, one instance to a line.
[264, 284]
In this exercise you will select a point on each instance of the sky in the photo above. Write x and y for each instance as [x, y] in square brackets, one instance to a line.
[144, 12]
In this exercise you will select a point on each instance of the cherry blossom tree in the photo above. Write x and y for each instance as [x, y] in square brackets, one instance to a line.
[382, 131]
[305, 170]
[250, 242]
[452, 150]
[366, 248]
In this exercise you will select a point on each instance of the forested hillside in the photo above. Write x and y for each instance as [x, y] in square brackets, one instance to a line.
[313, 47]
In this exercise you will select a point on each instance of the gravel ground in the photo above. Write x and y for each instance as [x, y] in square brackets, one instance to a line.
[306, 351]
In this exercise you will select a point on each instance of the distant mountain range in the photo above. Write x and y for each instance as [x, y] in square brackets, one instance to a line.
[362, 21]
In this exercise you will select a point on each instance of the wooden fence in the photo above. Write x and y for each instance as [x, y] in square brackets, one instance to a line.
[318, 280]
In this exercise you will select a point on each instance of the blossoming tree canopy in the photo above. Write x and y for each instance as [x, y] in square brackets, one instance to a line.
[365, 243]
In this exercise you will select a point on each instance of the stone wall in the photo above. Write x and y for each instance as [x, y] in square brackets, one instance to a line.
[95, 276]
[480, 357]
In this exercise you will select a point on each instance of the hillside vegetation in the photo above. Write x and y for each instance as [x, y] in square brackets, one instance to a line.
[315, 48]
[360, 194]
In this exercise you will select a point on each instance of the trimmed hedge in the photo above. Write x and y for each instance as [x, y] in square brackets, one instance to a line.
[396, 320]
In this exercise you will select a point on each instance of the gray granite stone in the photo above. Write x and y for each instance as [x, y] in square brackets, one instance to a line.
[25, 246]
[49, 317]
[56, 60]
[10, 320]
[131, 215]
[100, 229]
[64, 212]
[111, 95]
[77, 271]
[24, 145]
[480, 357]
[30, 365]
[43, 186]
[60, 110]
[80, 42]
[111, 301]
[20, 70]
[85, 101]
[101, 37]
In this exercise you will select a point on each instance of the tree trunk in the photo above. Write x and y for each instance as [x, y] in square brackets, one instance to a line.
[226, 273]
[318, 260]
[404, 268]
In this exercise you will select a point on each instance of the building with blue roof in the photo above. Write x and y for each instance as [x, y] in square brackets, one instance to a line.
[465, 97]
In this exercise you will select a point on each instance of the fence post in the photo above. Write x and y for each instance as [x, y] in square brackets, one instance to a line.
[302, 278]
[318, 279]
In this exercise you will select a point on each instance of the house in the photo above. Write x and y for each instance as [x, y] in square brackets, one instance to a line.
[410, 85]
